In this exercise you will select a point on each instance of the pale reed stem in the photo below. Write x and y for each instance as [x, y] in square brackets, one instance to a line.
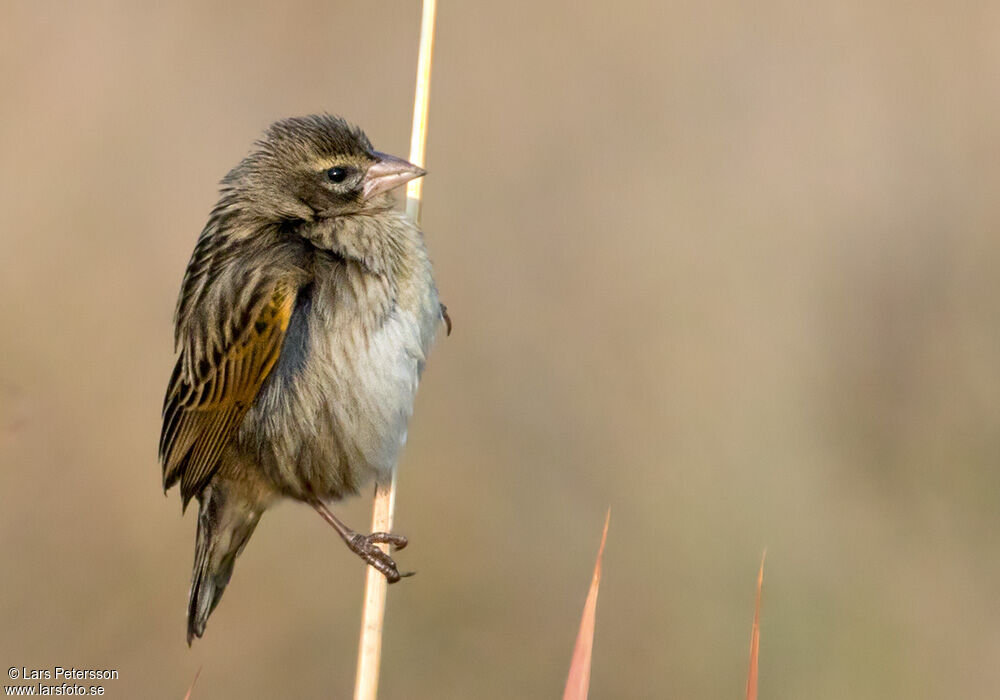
[373, 610]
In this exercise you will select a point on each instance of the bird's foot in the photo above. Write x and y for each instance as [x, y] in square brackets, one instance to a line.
[446, 318]
[365, 547]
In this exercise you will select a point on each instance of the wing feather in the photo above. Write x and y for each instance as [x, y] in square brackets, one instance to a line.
[231, 326]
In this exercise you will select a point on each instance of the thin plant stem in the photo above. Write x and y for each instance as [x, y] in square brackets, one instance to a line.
[755, 635]
[578, 681]
[384, 507]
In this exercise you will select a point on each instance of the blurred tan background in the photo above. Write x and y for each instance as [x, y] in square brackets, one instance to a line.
[728, 268]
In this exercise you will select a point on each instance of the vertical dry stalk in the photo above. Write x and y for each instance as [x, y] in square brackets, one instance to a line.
[755, 635]
[373, 610]
[578, 680]
[187, 696]
[421, 100]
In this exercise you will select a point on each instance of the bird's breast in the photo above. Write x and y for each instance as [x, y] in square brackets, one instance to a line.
[336, 413]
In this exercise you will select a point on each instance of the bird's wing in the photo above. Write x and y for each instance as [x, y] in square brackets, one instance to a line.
[231, 323]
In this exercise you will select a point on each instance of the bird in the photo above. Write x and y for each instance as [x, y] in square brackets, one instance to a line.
[301, 331]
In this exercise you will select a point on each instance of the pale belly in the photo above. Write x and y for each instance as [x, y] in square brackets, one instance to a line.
[333, 416]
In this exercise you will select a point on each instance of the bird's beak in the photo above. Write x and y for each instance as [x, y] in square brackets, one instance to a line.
[387, 173]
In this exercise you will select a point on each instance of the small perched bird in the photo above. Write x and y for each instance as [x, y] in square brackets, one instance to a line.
[301, 330]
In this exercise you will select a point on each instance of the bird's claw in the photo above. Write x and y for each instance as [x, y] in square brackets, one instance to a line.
[365, 547]
[446, 318]
[397, 542]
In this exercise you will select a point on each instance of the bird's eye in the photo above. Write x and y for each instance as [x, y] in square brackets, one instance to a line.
[337, 174]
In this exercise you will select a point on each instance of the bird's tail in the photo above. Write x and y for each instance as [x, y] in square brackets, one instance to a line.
[225, 522]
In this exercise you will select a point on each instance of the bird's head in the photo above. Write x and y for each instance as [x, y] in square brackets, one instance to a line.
[315, 168]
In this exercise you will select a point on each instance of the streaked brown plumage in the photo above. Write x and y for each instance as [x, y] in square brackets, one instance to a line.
[301, 330]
